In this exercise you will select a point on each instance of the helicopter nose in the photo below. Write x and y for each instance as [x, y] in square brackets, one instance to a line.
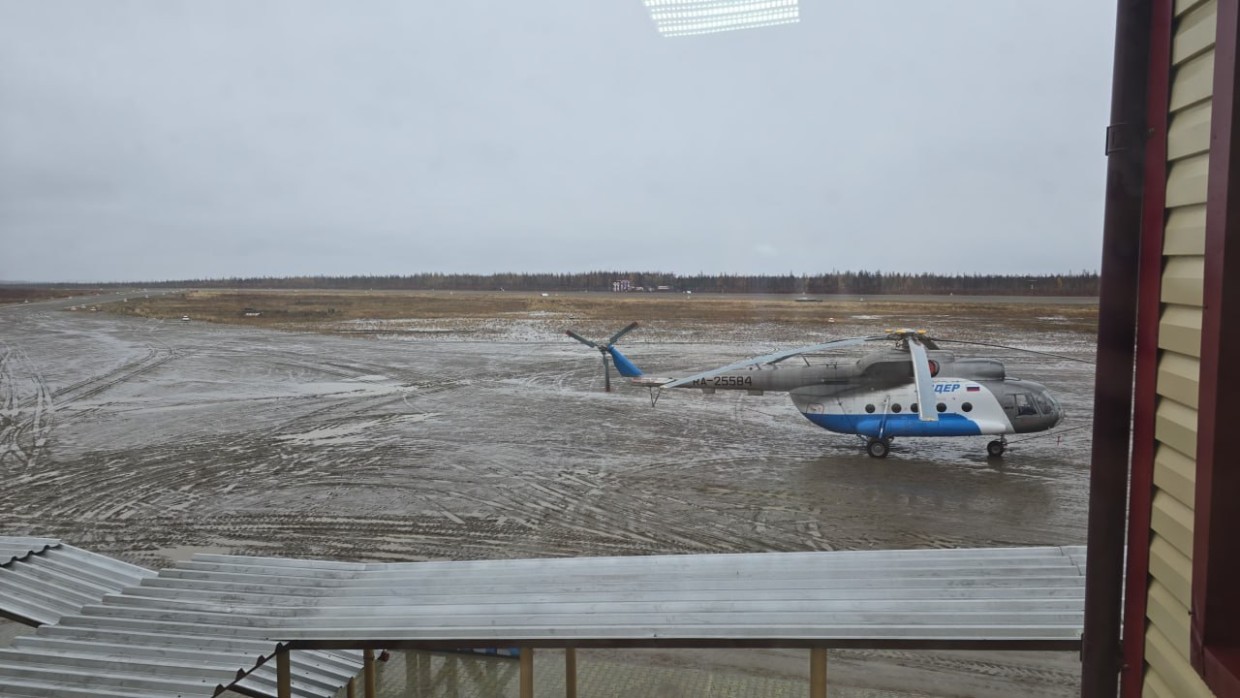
[1056, 408]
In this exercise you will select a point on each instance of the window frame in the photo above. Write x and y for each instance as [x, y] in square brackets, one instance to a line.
[1215, 621]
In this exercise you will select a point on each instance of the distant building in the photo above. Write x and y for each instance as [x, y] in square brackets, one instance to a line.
[622, 286]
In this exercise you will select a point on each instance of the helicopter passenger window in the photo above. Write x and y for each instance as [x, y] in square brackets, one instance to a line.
[912, 407]
[896, 408]
[967, 406]
[941, 407]
[869, 409]
[1024, 405]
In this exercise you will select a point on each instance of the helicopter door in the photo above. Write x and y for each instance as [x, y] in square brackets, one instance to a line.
[1025, 405]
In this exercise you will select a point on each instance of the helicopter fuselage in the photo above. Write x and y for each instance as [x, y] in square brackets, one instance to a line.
[875, 396]
[912, 389]
[964, 408]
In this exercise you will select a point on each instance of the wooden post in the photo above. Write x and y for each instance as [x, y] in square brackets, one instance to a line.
[348, 689]
[368, 673]
[284, 674]
[818, 673]
[526, 680]
[451, 665]
[412, 666]
[570, 672]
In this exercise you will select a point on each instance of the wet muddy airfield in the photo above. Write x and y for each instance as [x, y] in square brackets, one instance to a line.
[153, 440]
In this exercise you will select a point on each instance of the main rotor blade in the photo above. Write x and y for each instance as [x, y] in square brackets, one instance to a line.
[769, 358]
[606, 374]
[581, 339]
[1004, 346]
[925, 382]
[616, 337]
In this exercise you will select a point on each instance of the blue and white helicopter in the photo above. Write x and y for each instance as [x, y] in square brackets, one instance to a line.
[913, 388]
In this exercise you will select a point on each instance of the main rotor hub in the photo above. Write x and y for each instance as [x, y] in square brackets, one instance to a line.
[903, 335]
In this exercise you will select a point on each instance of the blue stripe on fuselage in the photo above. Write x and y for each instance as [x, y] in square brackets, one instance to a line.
[896, 424]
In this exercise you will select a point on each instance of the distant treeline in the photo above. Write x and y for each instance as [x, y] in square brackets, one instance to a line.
[848, 282]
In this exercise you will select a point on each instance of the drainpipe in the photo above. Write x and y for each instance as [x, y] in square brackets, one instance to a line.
[1149, 306]
[1113, 377]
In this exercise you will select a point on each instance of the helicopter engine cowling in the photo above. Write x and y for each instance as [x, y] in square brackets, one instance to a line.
[978, 369]
[892, 367]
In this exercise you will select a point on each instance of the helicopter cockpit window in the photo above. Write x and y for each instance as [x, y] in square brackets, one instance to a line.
[1024, 405]
[1044, 403]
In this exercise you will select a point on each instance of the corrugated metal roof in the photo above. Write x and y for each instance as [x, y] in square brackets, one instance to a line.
[953, 597]
[43, 581]
[12, 548]
[183, 631]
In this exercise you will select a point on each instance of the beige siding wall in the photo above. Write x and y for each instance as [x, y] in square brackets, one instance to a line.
[1168, 672]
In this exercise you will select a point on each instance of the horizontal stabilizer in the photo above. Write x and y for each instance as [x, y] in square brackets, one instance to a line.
[650, 381]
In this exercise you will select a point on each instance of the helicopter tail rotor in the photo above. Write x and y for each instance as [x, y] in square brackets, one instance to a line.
[606, 351]
[581, 339]
[616, 337]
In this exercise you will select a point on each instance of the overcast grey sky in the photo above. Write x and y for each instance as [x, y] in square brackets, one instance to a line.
[163, 139]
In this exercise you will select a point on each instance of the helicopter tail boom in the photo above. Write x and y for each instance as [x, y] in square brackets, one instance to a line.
[627, 368]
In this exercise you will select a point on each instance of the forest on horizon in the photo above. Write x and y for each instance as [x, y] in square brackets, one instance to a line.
[860, 282]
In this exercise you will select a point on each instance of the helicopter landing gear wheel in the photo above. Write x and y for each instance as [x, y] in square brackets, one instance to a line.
[995, 448]
[878, 448]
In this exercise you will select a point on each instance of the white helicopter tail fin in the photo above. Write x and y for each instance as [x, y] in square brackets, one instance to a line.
[923, 380]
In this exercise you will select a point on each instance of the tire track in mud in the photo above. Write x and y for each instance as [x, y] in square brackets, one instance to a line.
[580, 507]
[344, 410]
[95, 490]
[27, 418]
[108, 377]
[974, 664]
[360, 537]
[90, 387]
[750, 506]
[614, 511]
[530, 460]
[637, 506]
[10, 415]
[568, 520]
[547, 514]
[688, 525]
[123, 488]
